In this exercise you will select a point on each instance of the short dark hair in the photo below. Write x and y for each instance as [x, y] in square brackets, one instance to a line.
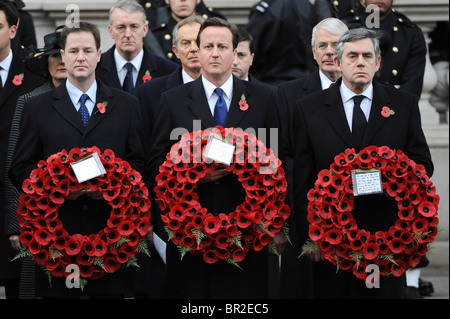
[83, 26]
[218, 22]
[243, 35]
[11, 12]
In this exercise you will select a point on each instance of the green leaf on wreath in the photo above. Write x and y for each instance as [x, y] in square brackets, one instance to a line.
[199, 235]
[120, 242]
[233, 262]
[83, 283]
[143, 247]
[183, 250]
[98, 262]
[310, 247]
[388, 257]
[169, 232]
[22, 254]
[356, 255]
[132, 261]
[236, 240]
[286, 230]
[55, 253]
[272, 248]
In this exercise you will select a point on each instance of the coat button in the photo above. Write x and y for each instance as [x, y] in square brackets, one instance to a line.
[148, 5]
[395, 49]
[167, 37]
[170, 55]
[394, 72]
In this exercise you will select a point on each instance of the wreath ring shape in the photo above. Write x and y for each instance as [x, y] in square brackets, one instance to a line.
[220, 236]
[334, 230]
[114, 246]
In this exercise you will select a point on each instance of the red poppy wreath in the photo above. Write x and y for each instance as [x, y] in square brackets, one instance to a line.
[334, 230]
[113, 247]
[222, 236]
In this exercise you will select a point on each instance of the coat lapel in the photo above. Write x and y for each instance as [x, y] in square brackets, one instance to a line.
[64, 106]
[9, 88]
[198, 104]
[376, 120]
[104, 94]
[235, 114]
[336, 115]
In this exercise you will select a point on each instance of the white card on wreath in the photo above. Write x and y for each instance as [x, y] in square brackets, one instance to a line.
[88, 167]
[366, 182]
[219, 151]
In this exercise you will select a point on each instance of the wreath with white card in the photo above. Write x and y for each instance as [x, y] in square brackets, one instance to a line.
[107, 251]
[333, 230]
[222, 236]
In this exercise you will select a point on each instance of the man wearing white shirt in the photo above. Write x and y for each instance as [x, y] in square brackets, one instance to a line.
[188, 107]
[66, 118]
[327, 125]
[324, 37]
[127, 27]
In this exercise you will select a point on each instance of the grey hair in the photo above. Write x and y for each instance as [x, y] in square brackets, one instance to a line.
[332, 25]
[188, 20]
[129, 6]
[353, 35]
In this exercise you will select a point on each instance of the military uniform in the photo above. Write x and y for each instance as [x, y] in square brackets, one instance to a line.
[164, 24]
[403, 52]
[344, 10]
[282, 36]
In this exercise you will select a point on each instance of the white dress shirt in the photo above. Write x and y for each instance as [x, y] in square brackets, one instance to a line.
[347, 99]
[75, 94]
[212, 97]
[122, 70]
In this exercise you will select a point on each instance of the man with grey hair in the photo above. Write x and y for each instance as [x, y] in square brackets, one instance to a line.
[325, 36]
[349, 115]
[129, 63]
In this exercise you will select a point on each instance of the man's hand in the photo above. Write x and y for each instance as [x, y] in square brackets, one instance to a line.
[214, 176]
[15, 242]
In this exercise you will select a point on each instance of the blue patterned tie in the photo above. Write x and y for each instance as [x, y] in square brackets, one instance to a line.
[220, 110]
[128, 85]
[83, 111]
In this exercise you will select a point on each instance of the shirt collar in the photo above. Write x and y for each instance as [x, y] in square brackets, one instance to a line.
[186, 77]
[75, 93]
[227, 87]
[120, 61]
[6, 63]
[348, 94]
[324, 80]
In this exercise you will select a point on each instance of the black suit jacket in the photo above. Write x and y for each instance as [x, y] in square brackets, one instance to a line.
[149, 95]
[180, 106]
[8, 100]
[321, 131]
[50, 123]
[157, 66]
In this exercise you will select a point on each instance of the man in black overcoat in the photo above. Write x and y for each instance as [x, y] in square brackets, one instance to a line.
[51, 123]
[323, 129]
[191, 277]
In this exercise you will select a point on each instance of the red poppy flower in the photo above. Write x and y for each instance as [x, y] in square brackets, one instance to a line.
[212, 224]
[427, 209]
[243, 105]
[370, 251]
[100, 247]
[210, 256]
[386, 111]
[333, 236]
[102, 107]
[147, 77]
[17, 80]
[73, 246]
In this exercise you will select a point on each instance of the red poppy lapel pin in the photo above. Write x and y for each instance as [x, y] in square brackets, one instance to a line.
[147, 76]
[386, 111]
[17, 80]
[101, 107]
[243, 105]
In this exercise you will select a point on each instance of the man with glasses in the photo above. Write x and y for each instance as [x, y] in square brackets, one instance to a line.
[325, 36]
[128, 63]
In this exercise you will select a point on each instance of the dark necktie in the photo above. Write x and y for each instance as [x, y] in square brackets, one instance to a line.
[1, 82]
[128, 85]
[220, 110]
[359, 121]
[83, 111]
